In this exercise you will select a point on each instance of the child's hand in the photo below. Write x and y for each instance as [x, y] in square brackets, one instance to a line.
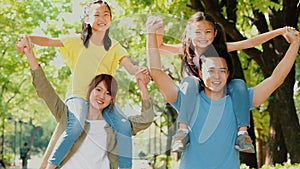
[24, 45]
[20, 44]
[286, 30]
[292, 35]
[143, 74]
[154, 24]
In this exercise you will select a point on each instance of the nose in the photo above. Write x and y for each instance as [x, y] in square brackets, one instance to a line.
[216, 74]
[202, 34]
[101, 95]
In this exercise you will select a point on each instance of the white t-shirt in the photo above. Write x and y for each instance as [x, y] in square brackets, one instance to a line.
[92, 152]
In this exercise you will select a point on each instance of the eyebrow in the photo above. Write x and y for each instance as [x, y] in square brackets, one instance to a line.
[222, 68]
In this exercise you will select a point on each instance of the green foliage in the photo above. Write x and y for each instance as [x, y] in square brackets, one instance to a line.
[276, 166]
[18, 100]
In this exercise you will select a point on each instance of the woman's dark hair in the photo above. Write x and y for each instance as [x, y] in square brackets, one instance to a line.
[87, 29]
[111, 84]
[211, 51]
[219, 42]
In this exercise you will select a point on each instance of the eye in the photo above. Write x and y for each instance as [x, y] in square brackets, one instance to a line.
[108, 93]
[208, 31]
[223, 70]
[210, 70]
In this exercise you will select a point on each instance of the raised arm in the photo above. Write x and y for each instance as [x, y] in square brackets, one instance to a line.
[166, 49]
[165, 84]
[264, 89]
[45, 41]
[42, 86]
[143, 121]
[257, 40]
[41, 41]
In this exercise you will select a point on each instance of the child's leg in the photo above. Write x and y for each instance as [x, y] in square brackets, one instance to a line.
[190, 88]
[77, 111]
[238, 91]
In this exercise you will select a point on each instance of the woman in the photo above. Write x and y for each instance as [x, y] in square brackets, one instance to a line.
[101, 98]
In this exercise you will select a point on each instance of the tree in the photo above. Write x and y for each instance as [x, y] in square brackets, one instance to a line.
[18, 100]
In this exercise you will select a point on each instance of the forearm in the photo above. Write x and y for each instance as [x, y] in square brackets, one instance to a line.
[153, 52]
[287, 62]
[33, 63]
[129, 66]
[170, 49]
[145, 94]
[45, 41]
[255, 41]
[143, 121]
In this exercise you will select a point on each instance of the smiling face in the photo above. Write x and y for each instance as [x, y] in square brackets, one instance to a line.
[99, 17]
[202, 33]
[214, 73]
[100, 97]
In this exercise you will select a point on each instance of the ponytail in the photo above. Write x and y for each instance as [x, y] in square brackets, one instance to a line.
[107, 40]
[86, 34]
[220, 39]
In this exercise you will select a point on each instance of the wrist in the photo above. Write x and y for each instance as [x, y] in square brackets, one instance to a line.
[151, 31]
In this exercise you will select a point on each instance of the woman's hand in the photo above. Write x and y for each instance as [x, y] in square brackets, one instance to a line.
[143, 74]
[142, 80]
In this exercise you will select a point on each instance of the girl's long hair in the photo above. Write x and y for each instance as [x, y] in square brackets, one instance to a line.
[87, 29]
[189, 60]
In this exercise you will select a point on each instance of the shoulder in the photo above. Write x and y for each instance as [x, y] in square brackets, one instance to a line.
[116, 44]
[71, 39]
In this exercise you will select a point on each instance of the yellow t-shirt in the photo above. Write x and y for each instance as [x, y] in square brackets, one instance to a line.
[86, 63]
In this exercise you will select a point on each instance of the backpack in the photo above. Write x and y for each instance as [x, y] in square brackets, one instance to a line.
[23, 152]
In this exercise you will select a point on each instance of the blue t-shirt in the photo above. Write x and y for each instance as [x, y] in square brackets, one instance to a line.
[213, 134]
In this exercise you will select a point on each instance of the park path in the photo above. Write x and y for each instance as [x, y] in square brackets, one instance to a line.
[33, 163]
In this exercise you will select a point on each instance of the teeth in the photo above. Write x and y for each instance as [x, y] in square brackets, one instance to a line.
[100, 102]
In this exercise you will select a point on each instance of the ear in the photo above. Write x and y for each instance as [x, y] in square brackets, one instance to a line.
[200, 73]
[216, 32]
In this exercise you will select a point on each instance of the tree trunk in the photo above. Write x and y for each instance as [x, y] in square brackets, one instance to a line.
[285, 123]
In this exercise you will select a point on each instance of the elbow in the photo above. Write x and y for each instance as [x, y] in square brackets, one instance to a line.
[155, 72]
[278, 81]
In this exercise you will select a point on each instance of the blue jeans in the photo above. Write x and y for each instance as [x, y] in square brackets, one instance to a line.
[237, 89]
[77, 111]
[122, 126]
